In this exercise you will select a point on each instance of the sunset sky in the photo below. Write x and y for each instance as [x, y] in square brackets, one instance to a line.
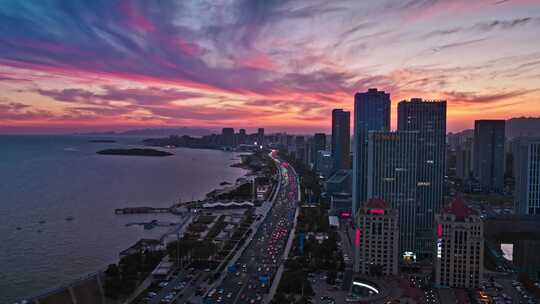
[280, 64]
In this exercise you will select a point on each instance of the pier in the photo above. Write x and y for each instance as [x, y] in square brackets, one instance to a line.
[141, 210]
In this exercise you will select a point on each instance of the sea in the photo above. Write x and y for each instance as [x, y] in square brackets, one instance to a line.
[57, 201]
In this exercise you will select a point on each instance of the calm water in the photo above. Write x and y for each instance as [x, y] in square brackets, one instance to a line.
[45, 179]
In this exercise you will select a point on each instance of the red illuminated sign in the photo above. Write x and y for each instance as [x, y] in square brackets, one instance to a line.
[439, 230]
[345, 215]
[376, 211]
[357, 239]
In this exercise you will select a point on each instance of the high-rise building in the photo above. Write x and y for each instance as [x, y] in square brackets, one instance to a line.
[324, 163]
[227, 137]
[489, 154]
[392, 177]
[319, 144]
[341, 139]
[300, 148]
[377, 236]
[459, 254]
[308, 148]
[241, 138]
[371, 113]
[260, 137]
[456, 139]
[428, 118]
[464, 159]
[526, 153]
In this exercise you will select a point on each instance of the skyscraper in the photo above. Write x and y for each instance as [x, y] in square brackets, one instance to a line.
[489, 154]
[371, 113]
[319, 144]
[241, 136]
[459, 255]
[260, 136]
[300, 148]
[227, 137]
[526, 152]
[341, 139]
[392, 177]
[428, 118]
[464, 159]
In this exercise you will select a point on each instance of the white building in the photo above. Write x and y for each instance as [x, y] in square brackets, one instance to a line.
[377, 239]
[459, 253]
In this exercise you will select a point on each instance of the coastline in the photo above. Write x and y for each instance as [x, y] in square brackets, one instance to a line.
[99, 275]
[68, 235]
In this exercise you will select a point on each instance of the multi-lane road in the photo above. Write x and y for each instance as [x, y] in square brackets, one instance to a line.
[249, 280]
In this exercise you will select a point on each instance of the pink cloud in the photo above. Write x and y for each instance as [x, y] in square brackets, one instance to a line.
[135, 18]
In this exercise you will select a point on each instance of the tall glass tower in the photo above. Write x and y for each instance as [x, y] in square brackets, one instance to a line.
[341, 139]
[428, 118]
[371, 113]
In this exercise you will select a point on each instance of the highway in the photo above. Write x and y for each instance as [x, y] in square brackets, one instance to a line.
[251, 276]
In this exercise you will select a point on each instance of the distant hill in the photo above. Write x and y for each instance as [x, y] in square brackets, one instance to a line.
[161, 132]
[522, 126]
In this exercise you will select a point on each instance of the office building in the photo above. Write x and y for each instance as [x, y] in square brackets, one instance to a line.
[300, 148]
[459, 254]
[489, 154]
[526, 153]
[392, 177]
[456, 139]
[241, 137]
[464, 159]
[341, 139]
[324, 164]
[227, 137]
[260, 137]
[319, 144]
[377, 236]
[371, 113]
[428, 118]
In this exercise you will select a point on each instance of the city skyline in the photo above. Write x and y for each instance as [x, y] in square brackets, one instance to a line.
[281, 65]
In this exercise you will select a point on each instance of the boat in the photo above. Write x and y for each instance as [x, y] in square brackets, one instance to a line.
[42, 222]
[69, 218]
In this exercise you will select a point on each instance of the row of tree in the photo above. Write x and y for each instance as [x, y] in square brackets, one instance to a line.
[121, 279]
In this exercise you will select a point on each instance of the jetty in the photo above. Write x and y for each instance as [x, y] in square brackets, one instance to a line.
[141, 210]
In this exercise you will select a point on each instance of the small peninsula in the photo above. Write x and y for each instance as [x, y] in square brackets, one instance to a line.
[134, 152]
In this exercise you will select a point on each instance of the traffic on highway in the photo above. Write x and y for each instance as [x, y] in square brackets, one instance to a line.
[249, 279]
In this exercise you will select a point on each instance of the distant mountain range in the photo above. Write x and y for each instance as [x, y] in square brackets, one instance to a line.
[157, 132]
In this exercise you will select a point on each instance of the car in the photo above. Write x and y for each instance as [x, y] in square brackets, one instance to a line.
[163, 284]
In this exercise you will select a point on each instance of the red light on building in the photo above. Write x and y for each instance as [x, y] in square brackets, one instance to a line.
[345, 215]
[357, 239]
[439, 230]
[376, 211]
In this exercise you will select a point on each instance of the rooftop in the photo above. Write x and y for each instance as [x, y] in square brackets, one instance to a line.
[459, 209]
[377, 203]
[339, 176]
